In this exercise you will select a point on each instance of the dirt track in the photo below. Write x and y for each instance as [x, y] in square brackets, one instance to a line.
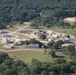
[15, 50]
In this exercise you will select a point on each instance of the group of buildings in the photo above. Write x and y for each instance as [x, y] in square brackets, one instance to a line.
[10, 41]
[52, 35]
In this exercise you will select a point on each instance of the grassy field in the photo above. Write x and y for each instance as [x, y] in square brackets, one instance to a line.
[27, 56]
[15, 27]
[61, 30]
[65, 30]
[12, 28]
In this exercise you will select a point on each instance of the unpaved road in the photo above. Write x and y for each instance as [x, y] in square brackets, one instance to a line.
[15, 50]
[20, 29]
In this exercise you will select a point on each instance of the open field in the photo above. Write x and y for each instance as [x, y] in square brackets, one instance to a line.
[23, 36]
[12, 29]
[15, 27]
[27, 56]
[65, 30]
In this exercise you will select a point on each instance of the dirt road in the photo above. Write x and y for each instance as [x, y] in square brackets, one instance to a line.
[20, 29]
[15, 50]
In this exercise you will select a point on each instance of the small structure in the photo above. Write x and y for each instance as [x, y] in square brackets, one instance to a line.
[73, 39]
[40, 30]
[75, 47]
[49, 37]
[3, 31]
[5, 40]
[6, 35]
[65, 39]
[19, 41]
[8, 40]
[32, 46]
[25, 31]
[50, 31]
[37, 34]
[8, 46]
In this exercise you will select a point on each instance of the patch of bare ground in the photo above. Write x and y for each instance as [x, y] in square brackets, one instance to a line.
[70, 19]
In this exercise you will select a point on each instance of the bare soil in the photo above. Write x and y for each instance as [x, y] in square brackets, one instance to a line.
[70, 19]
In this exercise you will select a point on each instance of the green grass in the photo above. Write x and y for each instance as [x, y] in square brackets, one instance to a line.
[12, 28]
[62, 30]
[1, 45]
[65, 30]
[27, 56]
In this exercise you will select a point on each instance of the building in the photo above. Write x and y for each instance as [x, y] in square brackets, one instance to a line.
[7, 38]
[75, 47]
[25, 31]
[6, 35]
[37, 34]
[8, 46]
[50, 31]
[40, 30]
[3, 31]
[65, 39]
[49, 37]
[73, 39]
[19, 41]
[32, 46]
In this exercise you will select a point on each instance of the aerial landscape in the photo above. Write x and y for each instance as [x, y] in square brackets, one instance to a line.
[37, 37]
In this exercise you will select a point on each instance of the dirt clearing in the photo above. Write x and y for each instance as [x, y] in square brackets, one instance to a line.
[70, 19]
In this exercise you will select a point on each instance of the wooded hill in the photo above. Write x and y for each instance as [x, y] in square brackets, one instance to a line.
[47, 12]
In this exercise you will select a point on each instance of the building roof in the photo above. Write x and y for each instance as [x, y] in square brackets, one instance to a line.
[65, 38]
[38, 33]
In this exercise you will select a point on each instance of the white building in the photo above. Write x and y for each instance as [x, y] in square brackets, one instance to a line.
[65, 40]
[5, 40]
[49, 37]
[8, 46]
[50, 31]
[3, 31]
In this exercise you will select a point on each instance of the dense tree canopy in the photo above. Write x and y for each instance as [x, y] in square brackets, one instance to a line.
[47, 12]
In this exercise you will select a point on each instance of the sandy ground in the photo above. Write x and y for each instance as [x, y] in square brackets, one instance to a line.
[71, 19]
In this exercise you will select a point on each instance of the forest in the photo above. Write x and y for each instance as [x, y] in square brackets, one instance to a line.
[42, 12]
[9, 66]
